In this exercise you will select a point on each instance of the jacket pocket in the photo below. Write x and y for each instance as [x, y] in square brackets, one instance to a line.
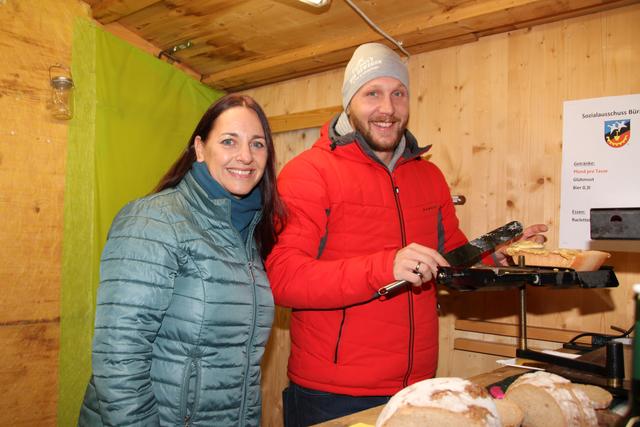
[340, 330]
[190, 390]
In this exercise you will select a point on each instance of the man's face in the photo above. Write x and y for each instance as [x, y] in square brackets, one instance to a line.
[379, 111]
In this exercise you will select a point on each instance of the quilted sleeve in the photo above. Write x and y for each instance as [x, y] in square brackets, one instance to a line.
[137, 271]
[300, 280]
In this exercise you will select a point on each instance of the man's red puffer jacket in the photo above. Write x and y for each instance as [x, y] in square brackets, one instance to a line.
[348, 216]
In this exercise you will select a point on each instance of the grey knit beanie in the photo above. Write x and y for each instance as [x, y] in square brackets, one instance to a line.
[370, 61]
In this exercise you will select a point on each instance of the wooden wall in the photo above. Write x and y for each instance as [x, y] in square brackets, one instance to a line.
[492, 109]
[493, 112]
[33, 36]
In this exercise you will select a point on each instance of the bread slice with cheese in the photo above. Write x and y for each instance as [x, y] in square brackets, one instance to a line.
[536, 254]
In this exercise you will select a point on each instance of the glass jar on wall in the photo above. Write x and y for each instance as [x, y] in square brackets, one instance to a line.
[61, 92]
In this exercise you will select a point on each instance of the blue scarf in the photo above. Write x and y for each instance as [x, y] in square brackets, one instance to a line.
[242, 210]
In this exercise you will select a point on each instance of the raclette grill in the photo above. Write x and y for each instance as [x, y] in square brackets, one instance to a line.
[602, 366]
[500, 278]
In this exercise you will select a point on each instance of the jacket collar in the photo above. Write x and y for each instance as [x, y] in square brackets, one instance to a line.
[211, 209]
[329, 139]
[198, 198]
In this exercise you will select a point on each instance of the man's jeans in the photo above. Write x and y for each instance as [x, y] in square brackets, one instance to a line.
[304, 407]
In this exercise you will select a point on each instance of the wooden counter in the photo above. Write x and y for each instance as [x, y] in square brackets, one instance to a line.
[370, 416]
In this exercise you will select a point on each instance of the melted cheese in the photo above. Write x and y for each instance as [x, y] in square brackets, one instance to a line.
[527, 246]
[535, 248]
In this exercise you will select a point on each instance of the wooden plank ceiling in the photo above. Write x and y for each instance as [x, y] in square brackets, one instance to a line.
[238, 44]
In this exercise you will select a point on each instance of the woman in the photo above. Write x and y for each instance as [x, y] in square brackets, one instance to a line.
[184, 306]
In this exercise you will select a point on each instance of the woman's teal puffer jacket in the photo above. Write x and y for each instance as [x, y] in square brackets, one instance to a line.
[183, 315]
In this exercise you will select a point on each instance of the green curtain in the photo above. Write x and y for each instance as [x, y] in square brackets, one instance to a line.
[134, 114]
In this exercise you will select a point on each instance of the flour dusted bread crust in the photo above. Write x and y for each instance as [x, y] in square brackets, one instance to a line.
[536, 254]
[550, 400]
[450, 402]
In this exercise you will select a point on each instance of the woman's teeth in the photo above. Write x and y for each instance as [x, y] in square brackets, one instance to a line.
[240, 172]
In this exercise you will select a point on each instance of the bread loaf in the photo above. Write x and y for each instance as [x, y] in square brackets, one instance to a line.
[550, 400]
[450, 402]
[599, 397]
[510, 413]
[536, 254]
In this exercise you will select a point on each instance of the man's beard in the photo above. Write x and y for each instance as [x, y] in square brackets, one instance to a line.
[376, 144]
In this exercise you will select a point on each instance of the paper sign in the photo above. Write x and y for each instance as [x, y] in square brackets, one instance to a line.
[600, 166]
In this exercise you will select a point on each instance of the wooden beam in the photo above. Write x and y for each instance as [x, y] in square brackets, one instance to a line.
[460, 14]
[476, 16]
[419, 23]
[510, 330]
[303, 120]
[572, 13]
[477, 346]
[107, 11]
[342, 47]
[444, 43]
[458, 25]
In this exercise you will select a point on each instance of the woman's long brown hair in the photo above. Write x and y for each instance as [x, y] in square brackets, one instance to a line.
[273, 215]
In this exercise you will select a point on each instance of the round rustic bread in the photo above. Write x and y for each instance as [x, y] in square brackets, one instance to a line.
[536, 254]
[550, 400]
[452, 402]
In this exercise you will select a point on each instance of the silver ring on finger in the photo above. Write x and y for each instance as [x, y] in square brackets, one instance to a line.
[416, 270]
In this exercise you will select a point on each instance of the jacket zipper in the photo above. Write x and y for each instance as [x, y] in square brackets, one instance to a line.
[188, 412]
[248, 248]
[396, 192]
[249, 343]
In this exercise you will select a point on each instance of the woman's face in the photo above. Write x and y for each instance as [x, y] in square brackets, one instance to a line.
[235, 150]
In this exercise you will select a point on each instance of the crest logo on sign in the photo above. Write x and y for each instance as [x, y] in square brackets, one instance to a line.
[617, 132]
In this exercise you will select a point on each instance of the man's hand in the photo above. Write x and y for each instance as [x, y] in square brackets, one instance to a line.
[532, 232]
[417, 264]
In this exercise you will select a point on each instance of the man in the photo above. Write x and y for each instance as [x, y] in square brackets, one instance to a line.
[364, 210]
